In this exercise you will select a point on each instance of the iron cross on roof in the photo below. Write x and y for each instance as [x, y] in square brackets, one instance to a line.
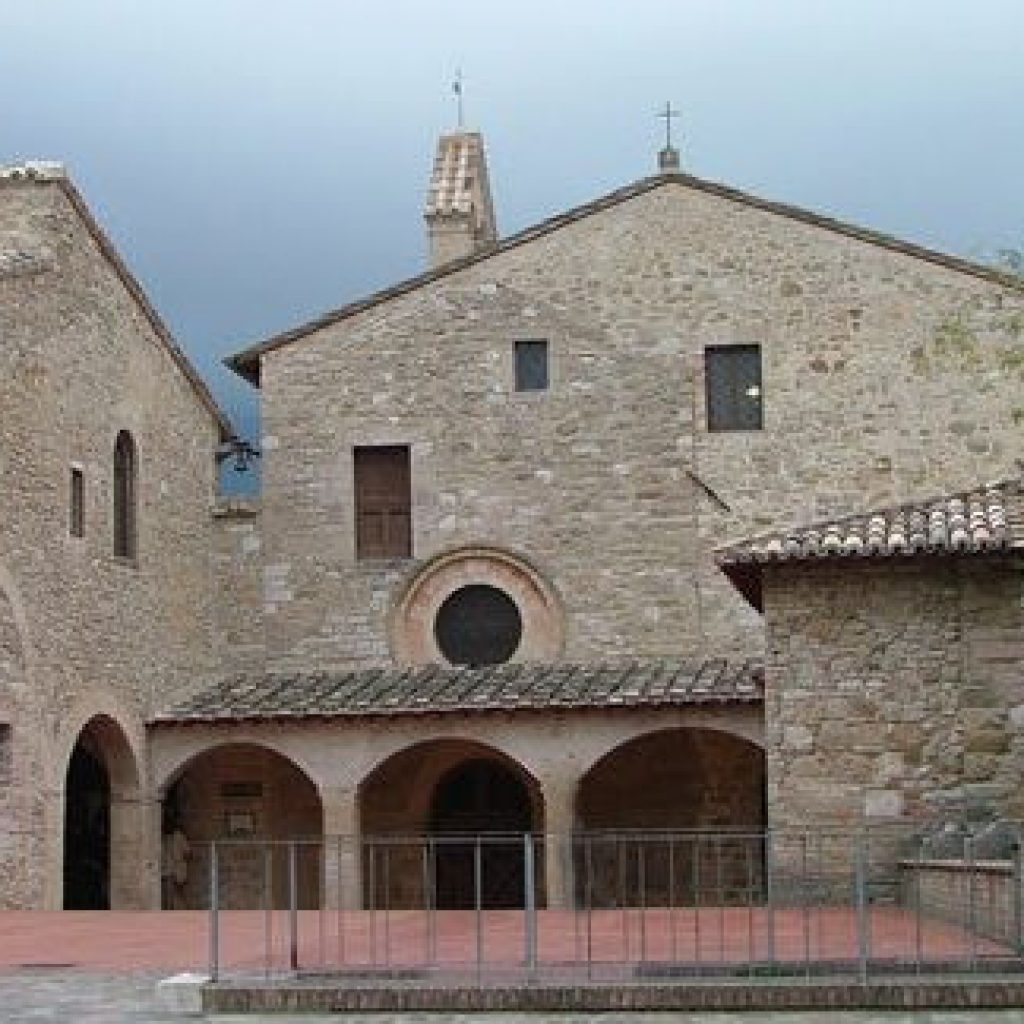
[457, 90]
[668, 113]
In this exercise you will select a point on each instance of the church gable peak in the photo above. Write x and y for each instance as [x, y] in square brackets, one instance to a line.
[459, 211]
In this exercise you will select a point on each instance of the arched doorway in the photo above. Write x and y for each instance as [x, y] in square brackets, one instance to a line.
[674, 816]
[255, 797]
[103, 834]
[479, 813]
[425, 811]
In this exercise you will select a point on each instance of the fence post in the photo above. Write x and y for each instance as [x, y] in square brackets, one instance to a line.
[432, 899]
[530, 898]
[293, 908]
[1018, 894]
[972, 900]
[268, 905]
[214, 913]
[588, 855]
[769, 891]
[478, 903]
[918, 900]
[861, 897]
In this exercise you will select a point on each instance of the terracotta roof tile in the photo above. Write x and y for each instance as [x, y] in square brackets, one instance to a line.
[433, 689]
[983, 520]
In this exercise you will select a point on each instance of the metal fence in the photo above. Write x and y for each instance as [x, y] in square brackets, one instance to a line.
[616, 905]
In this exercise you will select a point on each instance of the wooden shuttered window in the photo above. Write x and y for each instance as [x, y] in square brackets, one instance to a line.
[732, 376]
[383, 502]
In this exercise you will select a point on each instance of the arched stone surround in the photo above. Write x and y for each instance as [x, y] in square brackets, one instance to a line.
[132, 867]
[412, 618]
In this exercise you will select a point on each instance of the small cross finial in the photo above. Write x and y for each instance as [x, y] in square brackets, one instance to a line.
[668, 113]
[457, 89]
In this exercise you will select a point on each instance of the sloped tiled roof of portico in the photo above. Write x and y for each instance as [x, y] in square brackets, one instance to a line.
[983, 520]
[436, 689]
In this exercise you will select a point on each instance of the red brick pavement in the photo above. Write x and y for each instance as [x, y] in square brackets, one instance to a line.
[179, 940]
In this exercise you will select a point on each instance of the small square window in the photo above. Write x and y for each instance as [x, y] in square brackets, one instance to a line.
[531, 366]
[76, 504]
[732, 377]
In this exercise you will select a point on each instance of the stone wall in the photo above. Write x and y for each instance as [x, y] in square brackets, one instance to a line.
[885, 377]
[983, 896]
[238, 583]
[893, 690]
[80, 361]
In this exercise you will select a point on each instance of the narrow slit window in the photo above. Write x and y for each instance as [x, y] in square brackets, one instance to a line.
[732, 376]
[76, 502]
[125, 496]
[383, 502]
[531, 366]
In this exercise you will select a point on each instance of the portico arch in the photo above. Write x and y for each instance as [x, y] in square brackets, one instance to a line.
[104, 826]
[453, 794]
[671, 812]
[256, 799]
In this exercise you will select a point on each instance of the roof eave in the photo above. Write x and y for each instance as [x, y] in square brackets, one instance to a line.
[246, 362]
[284, 717]
[131, 284]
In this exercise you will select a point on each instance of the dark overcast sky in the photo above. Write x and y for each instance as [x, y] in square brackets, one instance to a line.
[259, 162]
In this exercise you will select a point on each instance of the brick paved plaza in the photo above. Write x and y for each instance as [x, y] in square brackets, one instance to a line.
[179, 940]
[104, 966]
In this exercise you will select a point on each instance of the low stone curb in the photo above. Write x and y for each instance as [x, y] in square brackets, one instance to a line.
[902, 994]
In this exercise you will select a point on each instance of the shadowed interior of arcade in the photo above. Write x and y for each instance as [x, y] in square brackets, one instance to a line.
[698, 795]
[443, 824]
[253, 801]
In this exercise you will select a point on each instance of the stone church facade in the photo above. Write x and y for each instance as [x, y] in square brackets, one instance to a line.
[496, 579]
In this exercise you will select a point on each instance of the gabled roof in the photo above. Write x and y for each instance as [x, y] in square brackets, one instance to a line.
[35, 173]
[436, 689]
[984, 520]
[246, 363]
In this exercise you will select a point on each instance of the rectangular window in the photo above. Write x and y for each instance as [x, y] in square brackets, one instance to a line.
[76, 504]
[531, 366]
[383, 502]
[732, 375]
[5, 752]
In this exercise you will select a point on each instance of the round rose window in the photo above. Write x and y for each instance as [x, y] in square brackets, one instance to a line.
[478, 625]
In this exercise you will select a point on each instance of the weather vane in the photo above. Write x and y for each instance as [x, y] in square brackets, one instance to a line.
[457, 89]
[668, 113]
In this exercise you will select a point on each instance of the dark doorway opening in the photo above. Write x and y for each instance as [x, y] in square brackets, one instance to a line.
[86, 831]
[479, 814]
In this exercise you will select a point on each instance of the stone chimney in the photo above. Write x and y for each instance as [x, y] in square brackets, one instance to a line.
[459, 212]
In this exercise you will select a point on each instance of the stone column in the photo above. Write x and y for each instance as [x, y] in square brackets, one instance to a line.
[132, 865]
[559, 795]
[343, 860]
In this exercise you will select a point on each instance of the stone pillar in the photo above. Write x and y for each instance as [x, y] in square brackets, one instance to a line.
[343, 859]
[559, 795]
[132, 865]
